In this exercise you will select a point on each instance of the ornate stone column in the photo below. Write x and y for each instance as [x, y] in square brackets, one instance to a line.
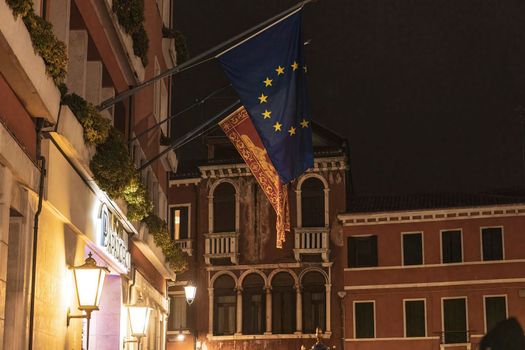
[268, 310]
[298, 310]
[239, 311]
[210, 311]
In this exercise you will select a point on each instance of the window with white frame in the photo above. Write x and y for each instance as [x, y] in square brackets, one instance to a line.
[415, 323]
[364, 319]
[224, 208]
[178, 312]
[451, 246]
[455, 320]
[492, 243]
[495, 310]
[224, 306]
[412, 248]
[312, 203]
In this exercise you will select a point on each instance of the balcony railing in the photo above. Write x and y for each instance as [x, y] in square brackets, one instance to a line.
[459, 338]
[311, 240]
[222, 245]
[185, 245]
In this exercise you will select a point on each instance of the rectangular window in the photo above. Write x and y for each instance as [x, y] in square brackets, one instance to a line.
[455, 320]
[364, 319]
[412, 249]
[179, 222]
[362, 251]
[492, 242]
[415, 318]
[451, 246]
[177, 317]
[495, 311]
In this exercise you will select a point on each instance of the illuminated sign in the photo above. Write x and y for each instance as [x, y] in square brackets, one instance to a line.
[114, 237]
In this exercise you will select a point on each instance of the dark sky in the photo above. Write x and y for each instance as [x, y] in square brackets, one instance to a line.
[423, 90]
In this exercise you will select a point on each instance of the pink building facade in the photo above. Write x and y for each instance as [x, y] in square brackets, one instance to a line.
[431, 278]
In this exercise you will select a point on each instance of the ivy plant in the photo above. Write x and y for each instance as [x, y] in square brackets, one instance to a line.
[130, 15]
[175, 257]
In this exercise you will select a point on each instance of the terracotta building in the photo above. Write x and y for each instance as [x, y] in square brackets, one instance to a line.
[44, 159]
[249, 293]
[431, 272]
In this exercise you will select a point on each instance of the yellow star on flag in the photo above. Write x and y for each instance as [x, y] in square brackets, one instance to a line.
[266, 114]
[291, 131]
[262, 98]
[304, 123]
[267, 82]
[277, 126]
[279, 70]
[294, 66]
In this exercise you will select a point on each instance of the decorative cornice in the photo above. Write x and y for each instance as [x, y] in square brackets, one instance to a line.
[241, 169]
[396, 217]
[185, 182]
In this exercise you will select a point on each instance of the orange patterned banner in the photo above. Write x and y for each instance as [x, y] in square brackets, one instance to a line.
[239, 128]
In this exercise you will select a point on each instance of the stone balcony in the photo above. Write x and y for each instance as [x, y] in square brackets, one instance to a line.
[311, 241]
[222, 245]
[185, 245]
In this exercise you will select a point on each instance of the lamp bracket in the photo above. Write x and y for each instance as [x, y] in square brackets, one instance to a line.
[69, 316]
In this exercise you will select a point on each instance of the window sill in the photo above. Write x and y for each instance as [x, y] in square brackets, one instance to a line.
[211, 337]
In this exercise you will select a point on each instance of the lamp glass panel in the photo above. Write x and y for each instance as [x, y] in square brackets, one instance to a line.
[89, 284]
[190, 292]
[138, 319]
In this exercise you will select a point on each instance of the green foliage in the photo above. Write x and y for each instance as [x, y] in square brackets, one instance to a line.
[139, 206]
[181, 46]
[141, 45]
[111, 166]
[20, 7]
[96, 127]
[46, 44]
[130, 15]
[176, 259]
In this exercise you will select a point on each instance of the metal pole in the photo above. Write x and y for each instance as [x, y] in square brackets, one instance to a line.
[199, 59]
[190, 135]
[88, 323]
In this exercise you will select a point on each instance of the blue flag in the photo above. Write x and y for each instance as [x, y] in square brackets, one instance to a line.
[269, 74]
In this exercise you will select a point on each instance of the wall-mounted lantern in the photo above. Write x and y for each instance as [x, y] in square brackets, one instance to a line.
[190, 290]
[89, 280]
[138, 315]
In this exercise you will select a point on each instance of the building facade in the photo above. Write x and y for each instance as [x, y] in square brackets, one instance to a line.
[52, 211]
[249, 293]
[431, 272]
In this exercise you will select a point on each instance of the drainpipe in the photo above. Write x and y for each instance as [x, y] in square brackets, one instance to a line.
[42, 161]
[342, 295]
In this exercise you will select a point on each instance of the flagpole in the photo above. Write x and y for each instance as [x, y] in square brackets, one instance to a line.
[189, 136]
[201, 58]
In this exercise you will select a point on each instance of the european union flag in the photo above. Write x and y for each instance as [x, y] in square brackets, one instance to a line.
[269, 74]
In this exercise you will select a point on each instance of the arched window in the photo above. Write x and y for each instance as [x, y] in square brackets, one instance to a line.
[253, 308]
[225, 300]
[312, 203]
[224, 208]
[283, 304]
[314, 301]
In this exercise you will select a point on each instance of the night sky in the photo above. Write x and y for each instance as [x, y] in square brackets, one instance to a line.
[423, 90]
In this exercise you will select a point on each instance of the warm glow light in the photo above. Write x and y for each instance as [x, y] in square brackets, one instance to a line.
[138, 320]
[180, 336]
[190, 290]
[89, 280]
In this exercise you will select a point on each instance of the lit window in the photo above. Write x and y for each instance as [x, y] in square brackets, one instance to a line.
[179, 228]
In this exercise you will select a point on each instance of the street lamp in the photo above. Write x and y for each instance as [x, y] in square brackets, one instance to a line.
[138, 315]
[190, 290]
[180, 336]
[89, 280]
